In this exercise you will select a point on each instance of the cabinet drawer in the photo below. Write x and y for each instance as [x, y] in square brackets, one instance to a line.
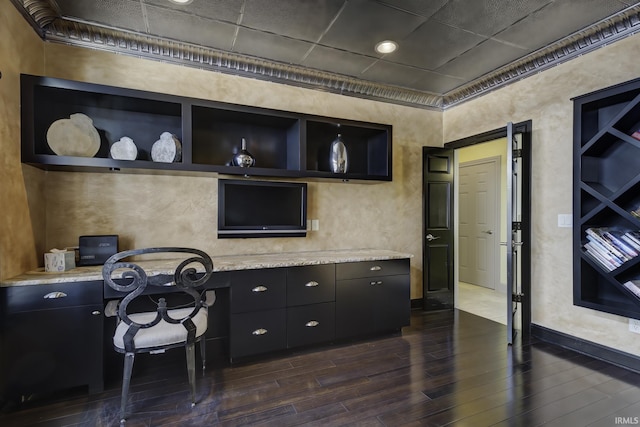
[311, 284]
[253, 290]
[354, 270]
[311, 324]
[259, 332]
[59, 295]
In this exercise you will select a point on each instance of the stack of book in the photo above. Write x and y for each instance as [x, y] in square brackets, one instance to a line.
[612, 248]
[633, 286]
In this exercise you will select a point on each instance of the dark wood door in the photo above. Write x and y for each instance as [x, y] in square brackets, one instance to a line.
[393, 302]
[354, 307]
[50, 350]
[437, 283]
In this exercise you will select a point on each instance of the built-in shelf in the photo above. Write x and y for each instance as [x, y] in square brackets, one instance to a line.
[284, 144]
[606, 192]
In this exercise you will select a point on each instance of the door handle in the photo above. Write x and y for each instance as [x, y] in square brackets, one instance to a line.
[431, 238]
[488, 232]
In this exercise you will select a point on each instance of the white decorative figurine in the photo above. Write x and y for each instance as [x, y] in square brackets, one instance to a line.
[167, 149]
[125, 149]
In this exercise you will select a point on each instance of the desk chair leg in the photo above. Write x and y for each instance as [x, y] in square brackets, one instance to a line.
[191, 370]
[203, 353]
[126, 380]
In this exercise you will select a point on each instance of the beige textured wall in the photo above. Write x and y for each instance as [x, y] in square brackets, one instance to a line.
[546, 99]
[41, 210]
[22, 219]
[155, 210]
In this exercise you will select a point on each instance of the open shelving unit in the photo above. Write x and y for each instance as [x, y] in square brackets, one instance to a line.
[284, 144]
[606, 192]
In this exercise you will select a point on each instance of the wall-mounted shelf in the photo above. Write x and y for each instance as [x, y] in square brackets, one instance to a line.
[284, 144]
[606, 192]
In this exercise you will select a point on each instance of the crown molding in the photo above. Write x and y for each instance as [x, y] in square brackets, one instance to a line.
[52, 28]
[155, 48]
[603, 33]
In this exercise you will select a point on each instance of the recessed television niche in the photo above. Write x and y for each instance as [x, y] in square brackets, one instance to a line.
[261, 209]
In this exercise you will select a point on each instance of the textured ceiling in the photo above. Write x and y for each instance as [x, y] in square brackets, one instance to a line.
[449, 50]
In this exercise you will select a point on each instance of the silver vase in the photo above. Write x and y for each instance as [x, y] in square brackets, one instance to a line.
[338, 157]
[244, 159]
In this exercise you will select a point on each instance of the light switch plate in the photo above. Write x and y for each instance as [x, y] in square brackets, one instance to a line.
[565, 221]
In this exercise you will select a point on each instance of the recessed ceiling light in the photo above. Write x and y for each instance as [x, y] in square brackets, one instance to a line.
[386, 46]
[181, 1]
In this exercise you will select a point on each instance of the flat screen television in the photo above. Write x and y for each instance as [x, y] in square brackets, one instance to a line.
[261, 209]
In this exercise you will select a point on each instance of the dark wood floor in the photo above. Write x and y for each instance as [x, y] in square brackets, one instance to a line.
[448, 368]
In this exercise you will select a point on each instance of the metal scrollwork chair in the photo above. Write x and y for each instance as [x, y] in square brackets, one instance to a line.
[165, 328]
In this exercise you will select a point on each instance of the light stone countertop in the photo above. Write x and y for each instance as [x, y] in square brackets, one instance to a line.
[220, 263]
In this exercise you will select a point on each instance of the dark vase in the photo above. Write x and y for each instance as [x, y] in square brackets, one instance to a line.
[244, 159]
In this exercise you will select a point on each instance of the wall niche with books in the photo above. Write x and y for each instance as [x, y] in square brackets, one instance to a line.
[606, 200]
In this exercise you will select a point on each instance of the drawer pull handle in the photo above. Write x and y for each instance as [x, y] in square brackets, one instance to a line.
[96, 313]
[259, 289]
[259, 331]
[312, 284]
[373, 283]
[312, 324]
[55, 295]
[376, 268]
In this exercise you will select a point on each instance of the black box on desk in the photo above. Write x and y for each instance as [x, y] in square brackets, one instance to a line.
[95, 250]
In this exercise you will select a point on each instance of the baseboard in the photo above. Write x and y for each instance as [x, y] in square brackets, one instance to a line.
[598, 351]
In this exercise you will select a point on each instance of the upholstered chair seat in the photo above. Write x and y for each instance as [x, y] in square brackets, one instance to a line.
[163, 334]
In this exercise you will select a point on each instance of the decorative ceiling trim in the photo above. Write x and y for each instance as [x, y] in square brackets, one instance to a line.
[51, 27]
[139, 45]
[596, 36]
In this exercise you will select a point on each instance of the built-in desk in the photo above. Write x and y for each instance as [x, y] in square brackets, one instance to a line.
[265, 303]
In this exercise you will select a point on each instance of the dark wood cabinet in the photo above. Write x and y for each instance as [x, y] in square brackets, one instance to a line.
[258, 315]
[258, 332]
[607, 200]
[311, 284]
[310, 324]
[55, 336]
[275, 309]
[316, 304]
[52, 338]
[311, 292]
[372, 297]
[262, 289]
[284, 144]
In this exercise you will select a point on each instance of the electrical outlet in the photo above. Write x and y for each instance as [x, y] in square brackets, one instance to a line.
[634, 326]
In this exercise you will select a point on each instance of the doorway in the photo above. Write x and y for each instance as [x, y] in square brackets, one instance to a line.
[441, 257]
[480, 215]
